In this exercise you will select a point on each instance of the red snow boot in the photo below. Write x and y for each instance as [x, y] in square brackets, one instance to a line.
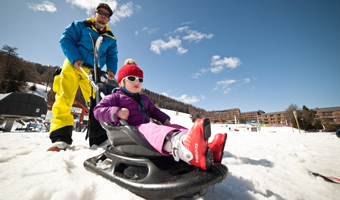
[217, 146]
[196, 141]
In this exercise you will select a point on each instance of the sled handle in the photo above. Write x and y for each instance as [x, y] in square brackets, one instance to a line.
[123, 122]
[95, 87]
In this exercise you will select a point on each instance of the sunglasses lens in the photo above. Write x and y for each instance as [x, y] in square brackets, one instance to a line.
[103, 13]
[131, 78]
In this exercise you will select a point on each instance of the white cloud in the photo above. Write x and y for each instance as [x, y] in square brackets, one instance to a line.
[45, 6]
[152, 30]
[181, 29]
[219, 64]
[185, 23]
[196, 36]
[158, 45]
[184, 98]
[216, 69]
[164, 94]
[193, 35]
[136, 32]
[246, 80]
[181, 50]
[119, 11]
[224, 85]
[138, 7]
[124, 11]
[90, 6]
[198, 74]
[226, 91]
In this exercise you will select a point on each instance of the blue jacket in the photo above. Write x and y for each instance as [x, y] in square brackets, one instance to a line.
[76, 44]
[106, 110]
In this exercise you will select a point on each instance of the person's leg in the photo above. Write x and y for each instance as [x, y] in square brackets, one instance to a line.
[190, 146]
[85, 85]
[95, 132]
[193, 147]
[65, 86]
[156, 135]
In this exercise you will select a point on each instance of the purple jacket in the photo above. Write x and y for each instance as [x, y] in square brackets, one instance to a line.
[106, 110]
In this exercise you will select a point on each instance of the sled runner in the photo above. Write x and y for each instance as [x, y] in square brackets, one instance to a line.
[132, 163]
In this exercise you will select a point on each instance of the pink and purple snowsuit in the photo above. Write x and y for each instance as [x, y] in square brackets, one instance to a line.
[106, 110]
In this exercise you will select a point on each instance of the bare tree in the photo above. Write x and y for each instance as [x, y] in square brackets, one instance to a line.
[31, 73]
[10, 70]
[47, 77]
[289, 112]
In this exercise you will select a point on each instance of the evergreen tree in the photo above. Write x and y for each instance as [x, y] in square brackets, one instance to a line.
[9, 68]
[329, 127]
[33, 88]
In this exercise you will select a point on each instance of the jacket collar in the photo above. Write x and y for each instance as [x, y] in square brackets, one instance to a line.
[123, 88]
[107, 33]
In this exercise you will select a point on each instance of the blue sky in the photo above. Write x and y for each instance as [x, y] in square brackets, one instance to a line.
[215, 55]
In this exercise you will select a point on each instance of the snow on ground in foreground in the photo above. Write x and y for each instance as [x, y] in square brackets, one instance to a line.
[271, 164]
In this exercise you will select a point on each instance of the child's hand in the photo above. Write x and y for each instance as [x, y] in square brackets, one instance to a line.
[123, 113]
[167, 122]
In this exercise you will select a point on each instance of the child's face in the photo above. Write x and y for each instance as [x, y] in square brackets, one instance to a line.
[133, 86]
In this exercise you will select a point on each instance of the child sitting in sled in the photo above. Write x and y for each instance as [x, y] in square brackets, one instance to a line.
[137, 109]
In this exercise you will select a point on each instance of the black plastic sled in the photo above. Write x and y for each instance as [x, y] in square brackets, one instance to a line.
[134, 164]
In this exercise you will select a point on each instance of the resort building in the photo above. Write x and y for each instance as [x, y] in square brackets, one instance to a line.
[329, 115]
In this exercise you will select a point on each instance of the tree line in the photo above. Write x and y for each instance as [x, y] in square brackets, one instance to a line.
[16, 73]
[306, 118]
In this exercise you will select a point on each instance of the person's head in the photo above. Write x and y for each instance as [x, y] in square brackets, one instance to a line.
[102, 14]
[129, 61]
[130, 76]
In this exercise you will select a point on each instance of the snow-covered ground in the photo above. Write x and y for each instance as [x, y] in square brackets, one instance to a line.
[271, 164]
[262, 165]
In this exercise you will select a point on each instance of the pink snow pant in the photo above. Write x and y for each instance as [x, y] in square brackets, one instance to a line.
[155, 134]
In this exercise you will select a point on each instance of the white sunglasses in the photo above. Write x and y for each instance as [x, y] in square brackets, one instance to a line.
[134, 78]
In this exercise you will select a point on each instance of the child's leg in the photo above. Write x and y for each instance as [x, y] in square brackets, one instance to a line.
[155, 134]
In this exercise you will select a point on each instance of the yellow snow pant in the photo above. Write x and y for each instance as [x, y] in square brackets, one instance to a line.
[65, 86]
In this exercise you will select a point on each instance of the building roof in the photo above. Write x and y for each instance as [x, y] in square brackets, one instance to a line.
[329, 109]
[274, 113]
